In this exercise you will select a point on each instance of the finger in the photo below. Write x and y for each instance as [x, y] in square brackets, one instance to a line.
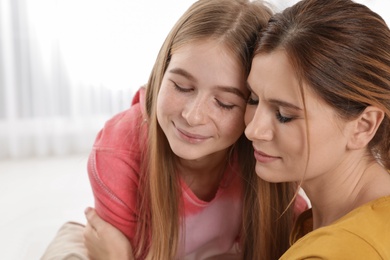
[89, 211]
[93, 219]
[90, 233]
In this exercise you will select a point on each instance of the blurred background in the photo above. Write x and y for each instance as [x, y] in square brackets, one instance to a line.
[66, 66]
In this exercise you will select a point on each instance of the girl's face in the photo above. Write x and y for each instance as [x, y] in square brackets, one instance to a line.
[276, 124]
[202, 100]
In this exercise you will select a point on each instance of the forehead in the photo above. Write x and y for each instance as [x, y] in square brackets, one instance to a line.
[202, 42]
[202, 48]
[209, 60]
[272, 75]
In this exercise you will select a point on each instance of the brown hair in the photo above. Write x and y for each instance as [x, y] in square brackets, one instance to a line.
[236, 24]
[341, 50]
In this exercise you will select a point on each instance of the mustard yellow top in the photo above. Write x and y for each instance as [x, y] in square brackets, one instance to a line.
[364, 233]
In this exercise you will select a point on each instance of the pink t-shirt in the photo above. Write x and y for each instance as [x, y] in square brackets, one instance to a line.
[210, 228]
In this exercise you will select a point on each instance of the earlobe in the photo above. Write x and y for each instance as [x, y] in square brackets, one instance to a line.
[365, 127]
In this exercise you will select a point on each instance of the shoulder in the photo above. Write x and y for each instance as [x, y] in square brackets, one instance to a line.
[364, 233]
[368, 220]
[125, 129]
[331, 243]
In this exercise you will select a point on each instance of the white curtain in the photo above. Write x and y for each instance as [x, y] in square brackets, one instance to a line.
[66, 66]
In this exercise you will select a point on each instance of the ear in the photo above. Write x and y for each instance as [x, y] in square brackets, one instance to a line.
[364, 127]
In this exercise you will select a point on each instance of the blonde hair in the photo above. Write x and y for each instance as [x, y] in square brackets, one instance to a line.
[235, 23]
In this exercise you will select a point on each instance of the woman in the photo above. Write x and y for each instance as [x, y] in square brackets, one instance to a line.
[319, 114]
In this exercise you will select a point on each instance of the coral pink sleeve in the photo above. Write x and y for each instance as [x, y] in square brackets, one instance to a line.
[114, 168]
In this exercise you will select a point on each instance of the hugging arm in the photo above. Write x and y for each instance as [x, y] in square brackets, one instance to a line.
[103, 241]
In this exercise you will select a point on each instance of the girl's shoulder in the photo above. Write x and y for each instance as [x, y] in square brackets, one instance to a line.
[126, 129]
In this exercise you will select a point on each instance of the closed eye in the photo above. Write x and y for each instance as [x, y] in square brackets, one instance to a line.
[283, 119]
[224, 106]
[181, 89]
[252, 100]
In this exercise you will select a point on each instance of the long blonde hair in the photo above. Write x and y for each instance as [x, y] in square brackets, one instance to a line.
[236, 24]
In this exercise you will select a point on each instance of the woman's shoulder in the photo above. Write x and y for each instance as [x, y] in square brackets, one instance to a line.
[368, 216]
[335, 242]
[364, 233]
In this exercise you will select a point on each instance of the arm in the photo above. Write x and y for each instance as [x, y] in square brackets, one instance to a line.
[114, 170]
[103, 241]
[115, 189]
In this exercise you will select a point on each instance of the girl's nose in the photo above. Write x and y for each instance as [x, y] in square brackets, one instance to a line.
[195, 112]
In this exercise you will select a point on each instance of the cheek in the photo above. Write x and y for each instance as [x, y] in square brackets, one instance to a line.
[331, 143]
[160, 105]
[161, 102]
[249, 113]
[297, 146]
[164, 106]
[233, 127]
[165, 100]
[296, 149]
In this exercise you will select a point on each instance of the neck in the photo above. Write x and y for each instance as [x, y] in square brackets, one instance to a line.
[340, 192]
[203, 176]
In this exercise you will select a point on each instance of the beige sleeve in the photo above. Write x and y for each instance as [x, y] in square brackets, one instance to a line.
[68, 244]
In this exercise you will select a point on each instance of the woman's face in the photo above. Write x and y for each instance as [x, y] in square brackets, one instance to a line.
[202, 100]
[276, 124]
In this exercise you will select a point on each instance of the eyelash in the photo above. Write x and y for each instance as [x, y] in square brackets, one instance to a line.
[224, 106]
[251, 101]
[220, 104]
[282, 119]
[180, 89]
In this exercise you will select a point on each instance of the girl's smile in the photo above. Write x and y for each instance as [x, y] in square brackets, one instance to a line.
[190, 137]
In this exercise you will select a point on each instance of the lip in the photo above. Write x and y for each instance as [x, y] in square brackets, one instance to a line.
[190, 137]
[263, 157]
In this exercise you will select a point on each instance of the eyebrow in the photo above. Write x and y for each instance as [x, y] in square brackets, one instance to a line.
[284, 104]
[189, 76]
[232, 90]
[183, 73]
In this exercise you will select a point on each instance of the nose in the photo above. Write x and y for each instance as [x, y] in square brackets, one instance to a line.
[258, 125]
[195, 111]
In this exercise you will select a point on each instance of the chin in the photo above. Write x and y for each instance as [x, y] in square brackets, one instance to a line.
[268, 176]
[185, 153]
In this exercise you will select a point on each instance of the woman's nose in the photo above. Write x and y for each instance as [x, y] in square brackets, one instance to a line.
[258, 125]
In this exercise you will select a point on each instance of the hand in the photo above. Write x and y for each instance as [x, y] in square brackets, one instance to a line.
[103, 241]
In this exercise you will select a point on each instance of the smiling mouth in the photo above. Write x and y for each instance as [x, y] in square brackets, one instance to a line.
[189, 137]
[263, 157]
